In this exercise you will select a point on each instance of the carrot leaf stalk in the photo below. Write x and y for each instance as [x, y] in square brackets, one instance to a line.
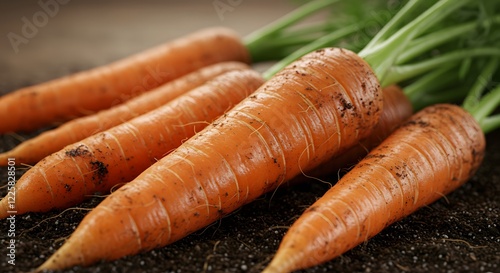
[486, 106]
[255, 41]
[472, 100]
[480, 102]
[440, 36]
[319, 43]
[400, 73]
[381, 56]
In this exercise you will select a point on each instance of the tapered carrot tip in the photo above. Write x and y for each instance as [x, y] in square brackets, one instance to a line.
[281, 263]
[64, 258]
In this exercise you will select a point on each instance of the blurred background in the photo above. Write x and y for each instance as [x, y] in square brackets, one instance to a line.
[43, 41]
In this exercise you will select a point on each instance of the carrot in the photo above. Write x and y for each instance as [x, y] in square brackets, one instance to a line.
[397, 108]
[35, 149]
[431, 154]
[99, 88]
[312, 109]
[119, 154]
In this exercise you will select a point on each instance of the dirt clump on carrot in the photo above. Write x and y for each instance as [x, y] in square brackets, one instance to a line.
[100, 170]
[291, 123]
[78, 151]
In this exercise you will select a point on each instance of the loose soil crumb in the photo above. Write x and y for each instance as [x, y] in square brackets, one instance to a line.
[78, 151]
[100, 170]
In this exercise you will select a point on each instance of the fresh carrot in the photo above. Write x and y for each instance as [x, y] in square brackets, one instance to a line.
[100, 162]
[100, 88]
[431, 154]
[312, 109]
[397, 108]
[89, 91]
[33, 150]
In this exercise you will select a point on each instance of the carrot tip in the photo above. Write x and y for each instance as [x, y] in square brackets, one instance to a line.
[270, 269]
[279, 264]
[55, 262]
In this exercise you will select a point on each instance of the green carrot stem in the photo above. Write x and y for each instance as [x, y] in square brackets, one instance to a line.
[434, 39]
[308, 29]
[406, 11]
[472, 100]
[254, 39]
[400, 73]
[290, 41]
[382, 56]
[428, 82]
[450, 95]
[321, 42]
[490, 123]
[430, 41]
[486, 105]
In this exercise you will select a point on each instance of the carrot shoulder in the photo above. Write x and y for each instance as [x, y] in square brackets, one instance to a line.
[397, 109]
[309, 111]
[102, 87]
[119, 154]
[430, 155]
[35, 149]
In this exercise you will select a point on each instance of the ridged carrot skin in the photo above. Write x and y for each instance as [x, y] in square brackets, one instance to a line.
[33, 150]
[397, 109]
[430, 155]
[119, 154]
[102, 87]
[314, 108]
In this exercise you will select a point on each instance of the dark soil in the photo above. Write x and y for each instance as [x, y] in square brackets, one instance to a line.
[459, 233]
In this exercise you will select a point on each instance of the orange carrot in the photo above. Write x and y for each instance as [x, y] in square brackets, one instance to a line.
[102, 87]
[430, 155]
[35, 149]
[309, 111]
[119, 154]
[397, 108]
